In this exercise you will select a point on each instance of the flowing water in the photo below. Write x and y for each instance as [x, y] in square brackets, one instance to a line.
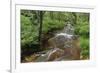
[68, 29]
[63, 46]
[63, 40]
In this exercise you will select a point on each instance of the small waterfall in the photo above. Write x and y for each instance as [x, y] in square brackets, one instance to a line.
[69, 29]
[67, 32]
[63, 46]
[66, 35]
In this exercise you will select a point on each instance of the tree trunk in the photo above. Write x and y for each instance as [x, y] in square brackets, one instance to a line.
[40, 28]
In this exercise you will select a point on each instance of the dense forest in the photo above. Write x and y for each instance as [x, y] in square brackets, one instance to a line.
[37, 27]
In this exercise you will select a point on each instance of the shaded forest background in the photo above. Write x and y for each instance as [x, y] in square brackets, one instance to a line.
[51, 22]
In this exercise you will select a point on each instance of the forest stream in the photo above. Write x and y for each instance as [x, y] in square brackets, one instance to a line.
[54, 36]
[63, 46]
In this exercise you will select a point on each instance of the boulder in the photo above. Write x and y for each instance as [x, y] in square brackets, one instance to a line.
[68, 43]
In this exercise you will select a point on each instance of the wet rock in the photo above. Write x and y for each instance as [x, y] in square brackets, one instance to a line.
[63, 47]
[54, 54]
[50, 55]
[61, 41]
[68, 43]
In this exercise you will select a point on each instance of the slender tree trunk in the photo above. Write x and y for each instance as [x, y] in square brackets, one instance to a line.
[40, 28]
